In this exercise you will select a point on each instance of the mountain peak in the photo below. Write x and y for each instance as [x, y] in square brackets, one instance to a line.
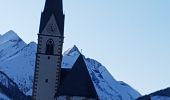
[70, 56]
[32, 43]
[72, 50]
[11, 31]
[9, 36]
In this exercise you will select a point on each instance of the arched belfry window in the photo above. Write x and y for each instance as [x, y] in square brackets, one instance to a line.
[50, 47]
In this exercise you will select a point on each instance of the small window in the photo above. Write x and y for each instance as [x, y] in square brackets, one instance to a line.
[48, 57]
[46, 80]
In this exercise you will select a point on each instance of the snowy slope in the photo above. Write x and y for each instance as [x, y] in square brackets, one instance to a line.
[18, 59]
[69, 57]
[9, 89]
[4, 82]
[20, 67]
[107, 87]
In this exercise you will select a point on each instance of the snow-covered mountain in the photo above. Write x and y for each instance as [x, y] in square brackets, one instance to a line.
[17, 60]
[161, 94]
[10, 44]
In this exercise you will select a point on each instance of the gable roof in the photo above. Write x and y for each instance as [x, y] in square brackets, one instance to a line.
[77, 82]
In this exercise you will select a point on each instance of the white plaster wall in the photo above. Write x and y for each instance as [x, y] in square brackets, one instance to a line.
[47, 70]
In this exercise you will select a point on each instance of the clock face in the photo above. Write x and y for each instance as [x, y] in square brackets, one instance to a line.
[51, 28]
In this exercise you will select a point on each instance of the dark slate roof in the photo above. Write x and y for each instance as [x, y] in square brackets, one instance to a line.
[77, 81]
[54, 7]
[146, 97]
[64, 73]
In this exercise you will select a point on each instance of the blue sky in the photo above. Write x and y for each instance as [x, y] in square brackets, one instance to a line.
[130, 37]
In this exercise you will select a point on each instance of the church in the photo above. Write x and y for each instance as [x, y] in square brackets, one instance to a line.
[51, 81]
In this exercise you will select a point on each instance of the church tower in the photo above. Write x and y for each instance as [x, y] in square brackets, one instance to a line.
[49, 51]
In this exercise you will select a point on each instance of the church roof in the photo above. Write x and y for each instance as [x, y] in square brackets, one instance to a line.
[77, 81]
[54, 7]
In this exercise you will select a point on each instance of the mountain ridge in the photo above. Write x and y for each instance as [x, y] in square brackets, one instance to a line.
[163, 94]
[18, 63]
[19, 60]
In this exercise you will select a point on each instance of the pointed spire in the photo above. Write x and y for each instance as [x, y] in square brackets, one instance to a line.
[54, 7]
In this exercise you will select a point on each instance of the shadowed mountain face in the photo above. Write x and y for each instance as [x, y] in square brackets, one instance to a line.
[163, 94]
[10, 90]
[17, 60]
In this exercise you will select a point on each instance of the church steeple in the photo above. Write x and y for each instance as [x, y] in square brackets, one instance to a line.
[53, 7]
[49, 51]
[56, 5]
